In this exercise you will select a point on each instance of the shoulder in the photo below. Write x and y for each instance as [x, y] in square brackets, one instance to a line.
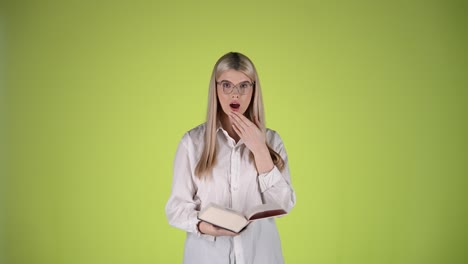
[273, 138]
[197, 131]
[194, 136]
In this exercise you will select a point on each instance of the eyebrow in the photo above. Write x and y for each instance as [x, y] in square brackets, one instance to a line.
[232, 82]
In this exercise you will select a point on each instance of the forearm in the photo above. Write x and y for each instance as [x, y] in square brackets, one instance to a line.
[274, 188]
[182, 214]
[263, 160]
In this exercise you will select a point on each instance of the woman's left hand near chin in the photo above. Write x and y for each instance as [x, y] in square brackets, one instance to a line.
[249, 132]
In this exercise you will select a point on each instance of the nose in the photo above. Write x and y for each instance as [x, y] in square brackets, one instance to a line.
[236, 91]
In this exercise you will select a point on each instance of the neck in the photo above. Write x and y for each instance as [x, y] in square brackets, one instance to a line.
[227, 125]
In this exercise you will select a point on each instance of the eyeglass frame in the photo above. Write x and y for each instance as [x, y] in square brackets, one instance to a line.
[251, 85]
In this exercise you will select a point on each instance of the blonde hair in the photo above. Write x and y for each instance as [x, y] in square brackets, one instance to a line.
[238, 62]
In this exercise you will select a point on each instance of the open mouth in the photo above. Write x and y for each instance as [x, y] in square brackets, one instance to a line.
[234, 106]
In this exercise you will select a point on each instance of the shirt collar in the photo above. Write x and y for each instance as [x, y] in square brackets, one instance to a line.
[219, 127]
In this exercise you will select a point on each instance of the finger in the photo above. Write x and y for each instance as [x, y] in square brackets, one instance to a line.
[239, 133]
[222, 231]
[242, 119]
[246, 121]
[210, 227]
[225, 232]
[256, 120]
[229, 233]
[240, 125]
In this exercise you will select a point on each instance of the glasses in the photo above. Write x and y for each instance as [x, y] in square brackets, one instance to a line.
[242, 87]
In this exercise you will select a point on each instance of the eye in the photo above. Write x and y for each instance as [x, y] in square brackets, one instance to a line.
[226, 85]
[244, 85]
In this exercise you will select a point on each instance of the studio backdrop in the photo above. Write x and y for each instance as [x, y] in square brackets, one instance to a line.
[369, 97]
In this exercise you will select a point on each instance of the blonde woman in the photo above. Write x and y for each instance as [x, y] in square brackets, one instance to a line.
[234, 161]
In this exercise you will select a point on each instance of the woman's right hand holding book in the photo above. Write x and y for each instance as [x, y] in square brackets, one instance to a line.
[212, 230]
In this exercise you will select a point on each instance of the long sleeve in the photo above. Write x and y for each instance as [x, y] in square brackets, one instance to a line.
[276, 185]
[182, 208]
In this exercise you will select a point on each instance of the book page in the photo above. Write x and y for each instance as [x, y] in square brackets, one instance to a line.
[264, 211]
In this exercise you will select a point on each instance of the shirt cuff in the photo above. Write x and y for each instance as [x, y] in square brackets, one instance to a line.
[269, 179]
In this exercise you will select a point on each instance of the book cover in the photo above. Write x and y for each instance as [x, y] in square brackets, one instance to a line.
[236, 221]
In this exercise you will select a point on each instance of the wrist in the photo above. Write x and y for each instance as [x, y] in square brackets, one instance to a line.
[261, 151]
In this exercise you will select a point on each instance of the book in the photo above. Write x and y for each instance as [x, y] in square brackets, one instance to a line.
[236, 221]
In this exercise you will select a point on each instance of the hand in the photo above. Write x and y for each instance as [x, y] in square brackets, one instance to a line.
[249, 132]
[209, 229]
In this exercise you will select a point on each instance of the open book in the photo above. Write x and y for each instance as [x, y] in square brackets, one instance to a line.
[236, 221]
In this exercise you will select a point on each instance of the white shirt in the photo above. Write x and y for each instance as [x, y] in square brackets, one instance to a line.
[234, 183]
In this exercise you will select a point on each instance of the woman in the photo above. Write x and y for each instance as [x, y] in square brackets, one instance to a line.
[231, 160]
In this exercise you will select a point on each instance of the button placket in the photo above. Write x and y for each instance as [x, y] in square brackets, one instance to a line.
[235, 170]
[235, 177]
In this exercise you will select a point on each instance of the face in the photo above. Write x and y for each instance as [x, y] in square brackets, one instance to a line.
[234, 101]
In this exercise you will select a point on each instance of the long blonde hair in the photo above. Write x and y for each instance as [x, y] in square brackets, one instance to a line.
[238, 62]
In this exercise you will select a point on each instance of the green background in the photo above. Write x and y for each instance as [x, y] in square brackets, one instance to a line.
[370, 98]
